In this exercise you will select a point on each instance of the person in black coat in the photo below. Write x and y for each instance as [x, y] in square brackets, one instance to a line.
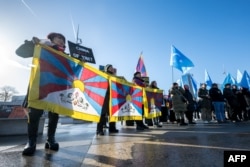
[232, 101]
[105, 109]
[190, 104]
[218, 102]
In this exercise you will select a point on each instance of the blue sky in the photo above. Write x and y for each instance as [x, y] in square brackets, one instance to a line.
[214, 34]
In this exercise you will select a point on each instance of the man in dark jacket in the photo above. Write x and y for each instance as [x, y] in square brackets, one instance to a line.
[218, 102]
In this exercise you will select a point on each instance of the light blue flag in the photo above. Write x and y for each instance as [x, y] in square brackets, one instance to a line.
[239, 76]
[187, 79]
[228, 79]
[180, 61]
[208, 80]
[245, 81]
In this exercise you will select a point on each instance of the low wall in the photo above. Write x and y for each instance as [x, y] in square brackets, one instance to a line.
[17, 126]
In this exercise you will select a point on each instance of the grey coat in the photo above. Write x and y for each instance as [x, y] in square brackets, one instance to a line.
[178, 100]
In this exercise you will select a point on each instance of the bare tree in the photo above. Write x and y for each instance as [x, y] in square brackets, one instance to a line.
[6, 92]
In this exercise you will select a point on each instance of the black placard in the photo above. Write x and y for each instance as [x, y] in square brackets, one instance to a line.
[81, 53]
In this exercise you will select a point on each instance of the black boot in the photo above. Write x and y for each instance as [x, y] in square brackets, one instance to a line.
[112, 128]
[182, 123]
[33, 123]
[99, 130]
[51, 143]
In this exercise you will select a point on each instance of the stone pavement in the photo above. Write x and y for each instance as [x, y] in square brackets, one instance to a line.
[172, 146]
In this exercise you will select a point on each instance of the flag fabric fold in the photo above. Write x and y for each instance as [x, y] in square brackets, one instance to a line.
[141, 67]
[180, 61]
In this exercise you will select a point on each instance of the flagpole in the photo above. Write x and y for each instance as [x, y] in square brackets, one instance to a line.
[172, 74]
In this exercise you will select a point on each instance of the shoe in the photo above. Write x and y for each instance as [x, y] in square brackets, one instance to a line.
[29, 149]
[113, 130]
[52, 145]
[139, 128]
[101, 133]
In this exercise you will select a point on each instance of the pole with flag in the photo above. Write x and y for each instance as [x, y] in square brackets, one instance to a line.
[141, 67]
[179, 61]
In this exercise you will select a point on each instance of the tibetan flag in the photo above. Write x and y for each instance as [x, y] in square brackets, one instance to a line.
[245, 80]
[141, 67]
[125, 100]
[180, 61]
[64, 85]
[153, 102]
[208, 80]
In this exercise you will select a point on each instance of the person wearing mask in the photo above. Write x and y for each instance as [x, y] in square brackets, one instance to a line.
[205, 103]
[105, 109]
[56, 41]
[218, 102]
[190, 106]
[179, 103]
[137, 79]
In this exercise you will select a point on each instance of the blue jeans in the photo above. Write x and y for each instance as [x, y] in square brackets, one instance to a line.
[219, 109]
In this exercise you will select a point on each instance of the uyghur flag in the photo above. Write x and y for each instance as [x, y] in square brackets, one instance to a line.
[152, 105]
[180, 61]
[245, 80]
[228, 79]
[66, 86]
[141, 67]
[208, 80]
[126, 100]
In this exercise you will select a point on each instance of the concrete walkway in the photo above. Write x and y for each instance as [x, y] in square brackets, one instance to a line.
[172, 146]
